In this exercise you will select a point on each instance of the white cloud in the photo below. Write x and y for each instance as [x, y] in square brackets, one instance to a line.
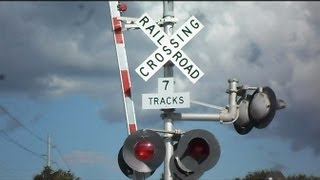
[57, 85]
[79, 157]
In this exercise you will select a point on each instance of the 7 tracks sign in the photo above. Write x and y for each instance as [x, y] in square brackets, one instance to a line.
[166, 97]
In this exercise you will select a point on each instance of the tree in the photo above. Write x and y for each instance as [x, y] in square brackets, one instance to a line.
[48, 174]
[276, 175]
[265, 174]
[256, 175]
[302, 177]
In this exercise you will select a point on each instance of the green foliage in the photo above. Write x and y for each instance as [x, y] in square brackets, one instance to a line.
[302, 177]
[257, 174]
[262, 174]
[265, 174]
[48, 174]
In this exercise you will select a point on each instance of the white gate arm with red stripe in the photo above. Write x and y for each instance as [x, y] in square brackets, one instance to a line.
[123, 67]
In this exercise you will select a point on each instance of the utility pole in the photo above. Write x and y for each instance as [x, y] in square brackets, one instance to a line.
[49, 151]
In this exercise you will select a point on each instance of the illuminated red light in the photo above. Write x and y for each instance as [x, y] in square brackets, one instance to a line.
[122, 7]
[198, 149]
[144, 150]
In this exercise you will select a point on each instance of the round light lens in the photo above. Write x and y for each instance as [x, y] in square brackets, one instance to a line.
[198, 149]
[122, 7]
[144, 150]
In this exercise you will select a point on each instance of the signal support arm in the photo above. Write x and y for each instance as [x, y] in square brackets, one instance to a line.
[130, 22]
[230, 113]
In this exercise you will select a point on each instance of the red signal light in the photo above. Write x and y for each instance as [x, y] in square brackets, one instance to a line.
[122, 7]
[198, 149]
[144, 150]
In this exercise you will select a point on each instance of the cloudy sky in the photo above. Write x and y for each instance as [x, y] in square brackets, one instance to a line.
[62, 79]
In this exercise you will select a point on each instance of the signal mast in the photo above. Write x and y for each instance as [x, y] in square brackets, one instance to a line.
[186, 155]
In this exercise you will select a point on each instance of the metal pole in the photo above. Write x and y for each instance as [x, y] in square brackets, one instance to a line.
[168, 72]
[49, 151]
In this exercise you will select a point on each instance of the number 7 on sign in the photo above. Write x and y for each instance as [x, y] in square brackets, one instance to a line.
[165, 85]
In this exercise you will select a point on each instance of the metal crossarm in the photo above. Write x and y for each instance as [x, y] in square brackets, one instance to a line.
[123, 67]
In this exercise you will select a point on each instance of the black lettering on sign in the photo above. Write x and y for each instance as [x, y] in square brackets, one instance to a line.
[160, 40]
[145, 19]
[177, 56]
[159, 57]
[162, 101]
[166, 49]
[166, 84]
[174, 43]
[189, 68]
[186, 31]
[156, 34]
[144, 74]
[194, 24]
[181, 100]
[151, 28]
[180, 37]
[195, 74]
[168, 100]
[155, 101]
[183, 62]
[174, 100]
[150, 100]
[151, 64]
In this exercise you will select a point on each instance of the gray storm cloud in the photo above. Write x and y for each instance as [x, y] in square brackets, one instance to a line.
[44, 51]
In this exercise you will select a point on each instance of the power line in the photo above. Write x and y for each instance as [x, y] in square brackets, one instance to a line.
[33, 134]
[17, 121]
[11, 140]
[53, 162]
[63, 159]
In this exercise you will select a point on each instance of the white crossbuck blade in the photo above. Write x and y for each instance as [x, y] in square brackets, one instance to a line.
[169, 48]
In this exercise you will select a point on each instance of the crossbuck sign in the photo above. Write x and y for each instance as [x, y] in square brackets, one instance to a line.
[169, 48]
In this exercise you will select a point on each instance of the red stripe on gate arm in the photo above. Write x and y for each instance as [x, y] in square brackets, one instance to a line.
[126, 83]
[117, 30]
[132, 128]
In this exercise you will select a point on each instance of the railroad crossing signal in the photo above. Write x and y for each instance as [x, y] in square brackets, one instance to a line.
[143, 151]
[257, 110]
[169, 48]
[197, 151]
